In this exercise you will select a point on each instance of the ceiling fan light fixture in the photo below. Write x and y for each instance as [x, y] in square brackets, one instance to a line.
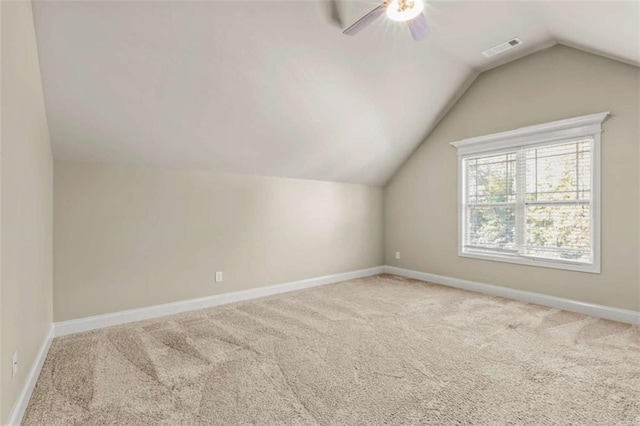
[404, 10]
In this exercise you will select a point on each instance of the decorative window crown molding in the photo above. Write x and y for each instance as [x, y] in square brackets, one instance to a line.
[540, 133]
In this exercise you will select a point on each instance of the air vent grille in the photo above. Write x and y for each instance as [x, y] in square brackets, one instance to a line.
[502, 47]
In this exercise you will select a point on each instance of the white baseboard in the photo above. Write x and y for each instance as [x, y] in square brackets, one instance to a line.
[20, 406]
[91, 323]
[601, 311]
[64, 328]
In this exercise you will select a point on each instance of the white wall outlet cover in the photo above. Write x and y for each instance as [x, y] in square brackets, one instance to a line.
[218, 277]
[397, 255]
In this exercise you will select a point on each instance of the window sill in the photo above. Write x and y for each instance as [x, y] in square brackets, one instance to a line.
[541, 263]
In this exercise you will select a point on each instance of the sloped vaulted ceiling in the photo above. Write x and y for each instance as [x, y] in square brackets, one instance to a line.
[275, 88]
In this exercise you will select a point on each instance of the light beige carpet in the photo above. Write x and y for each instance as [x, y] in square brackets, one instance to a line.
[380, 350]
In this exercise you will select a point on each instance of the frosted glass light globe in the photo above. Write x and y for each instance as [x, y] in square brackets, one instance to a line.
[398, 10]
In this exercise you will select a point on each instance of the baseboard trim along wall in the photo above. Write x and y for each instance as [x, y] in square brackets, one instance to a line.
[100, 321]
[20, 406]
[80, 325]
[601, 311]
[64, 328]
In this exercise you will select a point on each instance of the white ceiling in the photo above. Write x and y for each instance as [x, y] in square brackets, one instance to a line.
[275, 88]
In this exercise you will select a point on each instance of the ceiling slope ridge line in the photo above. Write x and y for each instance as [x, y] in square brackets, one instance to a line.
[468, 82]
[595, 52]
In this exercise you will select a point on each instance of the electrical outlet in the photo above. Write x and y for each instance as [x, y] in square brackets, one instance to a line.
[219, 277]
[14, 360]
[397, 255]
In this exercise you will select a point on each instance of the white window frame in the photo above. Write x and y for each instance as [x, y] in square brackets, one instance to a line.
[536, 136]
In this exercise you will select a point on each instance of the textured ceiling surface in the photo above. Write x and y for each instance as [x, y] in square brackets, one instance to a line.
[275, 88]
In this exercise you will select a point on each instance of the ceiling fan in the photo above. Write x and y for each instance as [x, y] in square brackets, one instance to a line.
[409, 11]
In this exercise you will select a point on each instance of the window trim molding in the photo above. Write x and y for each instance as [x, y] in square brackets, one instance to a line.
[540, 134]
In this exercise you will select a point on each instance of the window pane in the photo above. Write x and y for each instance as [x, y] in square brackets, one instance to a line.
[559, 172]
[530, 202]
[491, 228]
[491, 179]
[560, 232]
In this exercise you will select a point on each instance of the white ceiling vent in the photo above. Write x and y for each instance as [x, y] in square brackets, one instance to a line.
[502, 47]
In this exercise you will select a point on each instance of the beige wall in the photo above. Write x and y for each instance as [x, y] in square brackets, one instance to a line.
[560, 82]
[26, 188]
[127, 236]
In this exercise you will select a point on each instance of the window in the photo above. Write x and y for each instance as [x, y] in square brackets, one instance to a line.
[531, 195]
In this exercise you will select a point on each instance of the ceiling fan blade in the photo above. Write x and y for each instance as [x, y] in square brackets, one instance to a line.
[363, 22]
[334, 13]
[418, 27]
